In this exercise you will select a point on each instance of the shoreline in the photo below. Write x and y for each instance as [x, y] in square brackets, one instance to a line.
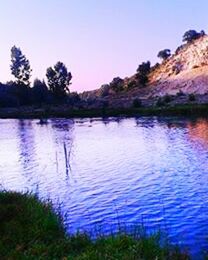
[66, 112]
[30, 228]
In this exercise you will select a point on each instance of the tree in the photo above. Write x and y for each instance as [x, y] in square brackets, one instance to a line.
[39, 91]
[164, 54]
[191, 35]
[104, 90]
[20, 67]
[144, 68]
[117, 84]
[58, 80]
[142, 72]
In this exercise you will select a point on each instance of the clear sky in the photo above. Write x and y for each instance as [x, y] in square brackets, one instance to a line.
[96, 39]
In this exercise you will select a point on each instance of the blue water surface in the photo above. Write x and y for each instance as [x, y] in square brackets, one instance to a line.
[102, 174]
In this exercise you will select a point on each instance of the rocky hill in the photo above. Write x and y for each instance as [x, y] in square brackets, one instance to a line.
[186, 71]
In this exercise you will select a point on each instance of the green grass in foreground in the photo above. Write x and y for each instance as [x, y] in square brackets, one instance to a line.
[29, 229]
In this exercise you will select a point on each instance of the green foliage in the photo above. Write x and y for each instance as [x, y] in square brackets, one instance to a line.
[192, 35]
[30, 230]
[104, 90]
[144, 68]
[117, 84]
[167, 98]
[137, 103]
[58, 80]
[73, 98]
[162, 101]
[143, 79]
[132, 84]
[39, 91]
[20, 67]
[164, 54]
[192, 97]
[180, 93]
[142, 73]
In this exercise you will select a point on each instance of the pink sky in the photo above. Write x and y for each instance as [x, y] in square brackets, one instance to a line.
[97, 40]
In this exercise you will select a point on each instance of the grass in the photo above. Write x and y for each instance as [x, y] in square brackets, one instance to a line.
[48, 112]
[29, 229]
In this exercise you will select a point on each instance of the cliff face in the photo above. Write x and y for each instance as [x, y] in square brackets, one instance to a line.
[186, 71]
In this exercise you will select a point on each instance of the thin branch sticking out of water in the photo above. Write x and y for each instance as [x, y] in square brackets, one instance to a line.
[67, 155]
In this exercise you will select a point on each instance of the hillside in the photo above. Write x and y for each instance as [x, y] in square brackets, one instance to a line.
[186, 71]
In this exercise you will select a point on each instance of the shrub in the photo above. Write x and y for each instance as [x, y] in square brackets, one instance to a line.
[137, 103]
[144, 68]
[142, 79]
[117, 84]
[167, 98]
[132, 84]
[192, 35]
[104, 90]
[180, 93]
[164, 54]
[192, 97]
[142, 73]
[160, 102]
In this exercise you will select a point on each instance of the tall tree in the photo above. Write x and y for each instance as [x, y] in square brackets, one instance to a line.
[20, 67]
[58, 80]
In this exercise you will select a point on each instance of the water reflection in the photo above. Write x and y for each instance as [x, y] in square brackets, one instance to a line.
[155, 173]
[63, 137]
[26, 143]
[198, 131]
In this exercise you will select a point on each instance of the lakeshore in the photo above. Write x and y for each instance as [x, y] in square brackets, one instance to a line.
[67, 112]
[30, 229]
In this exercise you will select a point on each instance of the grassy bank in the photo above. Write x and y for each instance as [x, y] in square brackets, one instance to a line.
[29, 229]
[48, 112]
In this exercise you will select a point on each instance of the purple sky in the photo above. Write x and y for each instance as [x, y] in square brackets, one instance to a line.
[96, 39]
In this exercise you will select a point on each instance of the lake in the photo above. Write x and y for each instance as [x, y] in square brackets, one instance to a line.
[102, 174]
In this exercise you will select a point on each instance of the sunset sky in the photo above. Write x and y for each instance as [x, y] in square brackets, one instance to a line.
[96, 39]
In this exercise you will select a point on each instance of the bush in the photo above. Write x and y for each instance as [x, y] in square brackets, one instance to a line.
[192, 35]
[144, 68]
[192, 97]
[160, 102]
[39, 91]
[142, 79]
[137, 103]
[117, 84]
[180, 93]
[164, 54]
[142, 73]
[104, 90]
[167, 98]
[73, 98]
[132, 84]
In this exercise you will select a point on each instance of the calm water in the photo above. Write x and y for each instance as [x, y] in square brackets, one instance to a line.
[146, 170]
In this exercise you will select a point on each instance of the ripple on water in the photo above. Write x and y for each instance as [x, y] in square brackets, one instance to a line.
[150, 171]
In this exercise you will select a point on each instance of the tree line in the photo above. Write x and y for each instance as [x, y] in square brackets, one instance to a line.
[55, 90]
[22, 92]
